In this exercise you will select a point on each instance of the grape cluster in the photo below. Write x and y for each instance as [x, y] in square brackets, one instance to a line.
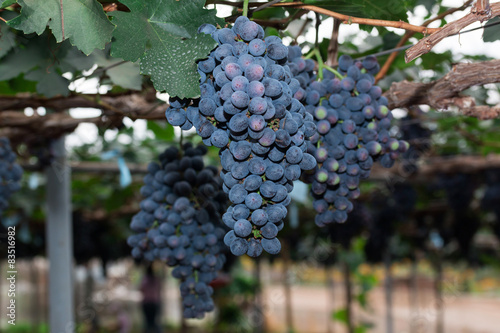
[178, 223]
[353, 124]
[247, 109]
[10, 173]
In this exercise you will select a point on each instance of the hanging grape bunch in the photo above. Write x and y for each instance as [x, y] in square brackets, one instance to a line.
[179, 223]
[248, 111]
[353, 124]
[10, 173]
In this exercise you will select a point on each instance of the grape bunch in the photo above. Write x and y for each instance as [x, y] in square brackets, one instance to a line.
[10, 173]
[247, 109]
[179, 223]
[353, 124]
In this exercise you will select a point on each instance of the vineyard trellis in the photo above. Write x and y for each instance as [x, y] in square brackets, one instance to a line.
[160, 39]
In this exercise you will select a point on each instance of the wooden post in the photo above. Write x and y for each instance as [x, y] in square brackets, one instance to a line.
[330, 286]
[438, 291]
[59, 242]
[258, 310]
[412, 292]
[288, 291]
[34, 306]
[388, 290]
[348, 296]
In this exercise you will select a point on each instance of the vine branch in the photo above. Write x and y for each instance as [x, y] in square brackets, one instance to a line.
[430, 166]
[442, 93]
[409, 34]
[351, 19]
[333, 47]
[426, 44]
[128, 104]
[482, 8]
[343, 18]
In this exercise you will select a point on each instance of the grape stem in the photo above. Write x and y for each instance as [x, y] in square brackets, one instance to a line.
[310, 54]
[321, 64]
[245, 8]
[334, 71]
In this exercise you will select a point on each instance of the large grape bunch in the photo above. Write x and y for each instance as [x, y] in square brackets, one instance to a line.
[248, 111]
[353, 123]
[179, 223]
[10, 173]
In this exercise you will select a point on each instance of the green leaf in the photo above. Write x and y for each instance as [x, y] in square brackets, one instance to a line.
[340, 315]
[50, 83]
[492, 34]
[85, 23]
[360, 329]
[6, 3]
[428, 4]
[173, 67]
[43, 61]
[271, 13]
[14, 86]
[21, 61]
[163, 35]
[126, 75]
[164, 133]
[361, 298]
[75, 60]
[7, 39]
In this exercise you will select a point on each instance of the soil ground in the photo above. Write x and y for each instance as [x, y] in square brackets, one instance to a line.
[312, 307]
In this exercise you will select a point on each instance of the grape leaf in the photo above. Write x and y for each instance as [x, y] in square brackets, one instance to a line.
[85, 23]
[161, 132]
[6, 3]
[126, 75]
[492, 34]
[7, 39]
[49, 84]
[14, 86]
[428, 4]
[163, 35]
[172, 66]
[43, 61]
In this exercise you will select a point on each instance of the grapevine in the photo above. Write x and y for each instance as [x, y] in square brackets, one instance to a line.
[179, 223]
